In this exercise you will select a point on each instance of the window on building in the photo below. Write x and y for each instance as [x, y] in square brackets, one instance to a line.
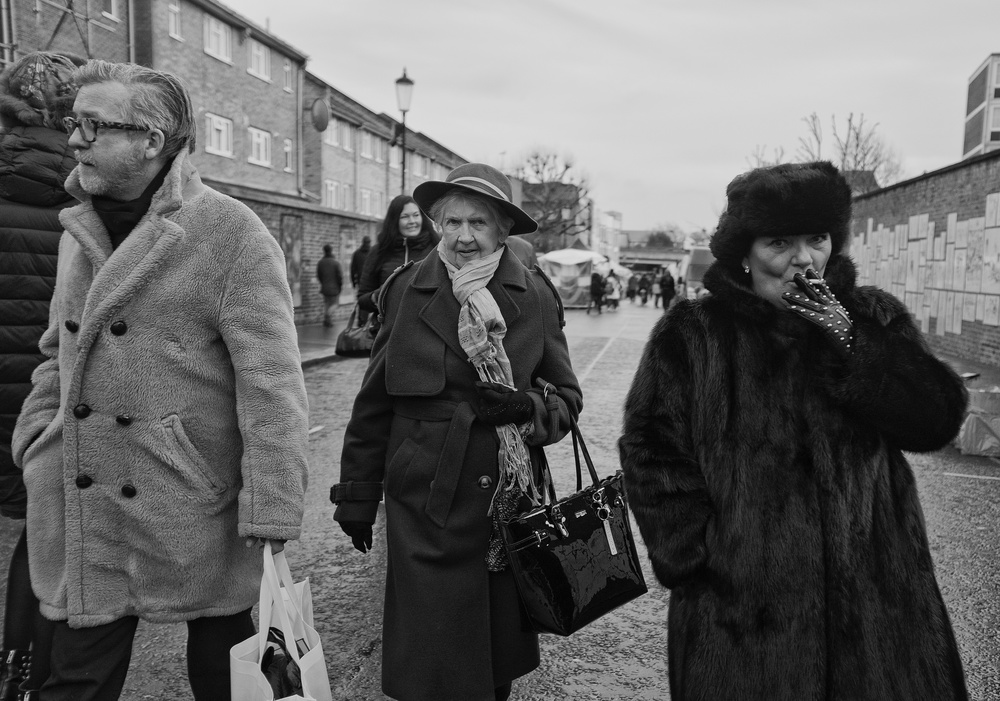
[331, 191]
[347, 136]
[218, 135]
[331, 136]
[380, 145]
[174, 20]
[289, 158]
[260, 147]
[218, 39]
[259, 60]
[366, 144]
[109, 8]
[289, 76]
[348, 202]
[995, 124]
[395, 153]
[366, 201]
[379, 204]
[419, 167]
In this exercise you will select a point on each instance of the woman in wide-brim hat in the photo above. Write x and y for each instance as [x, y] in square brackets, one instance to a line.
[470, 375]
[763, 457]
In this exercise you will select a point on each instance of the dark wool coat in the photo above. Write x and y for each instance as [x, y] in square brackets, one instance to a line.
[34, 163]
[452, 631]
[169, 420]
[770, 487]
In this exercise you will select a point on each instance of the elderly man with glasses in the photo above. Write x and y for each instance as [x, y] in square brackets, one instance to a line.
[165, 433]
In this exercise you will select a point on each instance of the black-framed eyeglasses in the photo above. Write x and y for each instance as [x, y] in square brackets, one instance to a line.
[88, 127]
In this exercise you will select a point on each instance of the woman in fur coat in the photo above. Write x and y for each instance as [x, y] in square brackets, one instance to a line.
[762, 452]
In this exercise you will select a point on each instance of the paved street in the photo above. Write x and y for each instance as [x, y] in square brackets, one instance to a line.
[624, 655]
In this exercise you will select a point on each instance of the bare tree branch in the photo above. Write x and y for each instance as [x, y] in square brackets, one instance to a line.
[556, 197]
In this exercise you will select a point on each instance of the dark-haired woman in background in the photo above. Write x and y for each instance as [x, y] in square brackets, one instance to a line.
[407, 234]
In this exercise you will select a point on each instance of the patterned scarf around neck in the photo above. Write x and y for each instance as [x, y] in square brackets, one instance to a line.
[481, 329]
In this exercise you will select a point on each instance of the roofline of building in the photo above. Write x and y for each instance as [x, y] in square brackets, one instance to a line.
[255, 31]
[930, 174]
[245, 192]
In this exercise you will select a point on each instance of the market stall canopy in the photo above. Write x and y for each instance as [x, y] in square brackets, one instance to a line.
[570, 269]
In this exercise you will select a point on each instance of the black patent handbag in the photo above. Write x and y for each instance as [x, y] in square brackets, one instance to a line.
[574, 559]
[356, 339]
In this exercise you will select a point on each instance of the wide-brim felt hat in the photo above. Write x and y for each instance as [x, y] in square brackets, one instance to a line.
[480, 179]
[783, 200]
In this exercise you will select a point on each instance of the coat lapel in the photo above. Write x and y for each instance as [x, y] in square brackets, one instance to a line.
[119, 277]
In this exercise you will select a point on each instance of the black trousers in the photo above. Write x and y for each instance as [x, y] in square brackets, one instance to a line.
[90, 664]
[24, 627]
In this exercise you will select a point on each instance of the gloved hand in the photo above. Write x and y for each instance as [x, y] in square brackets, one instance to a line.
[360, 534]
[817, 304]
[499, 405]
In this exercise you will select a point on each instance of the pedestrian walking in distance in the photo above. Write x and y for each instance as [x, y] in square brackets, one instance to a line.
[763, 456]
[596, 292]
[164, 438]
[331, 282]
[358, 261]
[36, 92]
[407, 234]
[470, 375]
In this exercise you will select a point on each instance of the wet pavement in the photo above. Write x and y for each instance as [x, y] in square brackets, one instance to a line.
[622, 656]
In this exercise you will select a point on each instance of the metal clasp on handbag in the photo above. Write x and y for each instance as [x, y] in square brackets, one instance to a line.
[600, 504]
[559, 521]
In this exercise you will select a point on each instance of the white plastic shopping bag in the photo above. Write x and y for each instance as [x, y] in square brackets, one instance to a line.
[286, 615]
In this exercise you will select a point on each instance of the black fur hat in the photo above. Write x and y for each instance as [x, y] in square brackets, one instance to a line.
[783, 200]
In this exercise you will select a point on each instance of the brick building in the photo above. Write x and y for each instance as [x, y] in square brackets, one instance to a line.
[982, 109]
[934, 242]
[256, 140]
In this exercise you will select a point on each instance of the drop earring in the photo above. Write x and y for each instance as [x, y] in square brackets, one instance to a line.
[746, 269]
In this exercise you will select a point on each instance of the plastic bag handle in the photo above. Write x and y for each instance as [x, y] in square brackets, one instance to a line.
[276, 572]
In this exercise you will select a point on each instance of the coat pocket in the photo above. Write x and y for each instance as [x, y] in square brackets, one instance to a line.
[51, 434]
[186, 459]
[43, 458]
[396, 469]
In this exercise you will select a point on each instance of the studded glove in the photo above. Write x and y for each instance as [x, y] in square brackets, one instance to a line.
[499, 405]
[817, 304]
[360, 534]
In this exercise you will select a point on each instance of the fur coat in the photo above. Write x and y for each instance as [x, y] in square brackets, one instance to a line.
[169, 421]
[452, 631]
[770, 487]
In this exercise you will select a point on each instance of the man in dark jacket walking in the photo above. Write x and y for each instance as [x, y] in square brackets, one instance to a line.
[358, 261]
[35, 94]
[331, 281]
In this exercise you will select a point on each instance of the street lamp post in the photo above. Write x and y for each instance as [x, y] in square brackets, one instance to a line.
[404, 91]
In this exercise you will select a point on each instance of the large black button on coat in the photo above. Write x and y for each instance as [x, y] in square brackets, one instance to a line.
[124, 419]
[72, 326]
[81, 411]
[119, 327]
[84, 481]
[128, 490]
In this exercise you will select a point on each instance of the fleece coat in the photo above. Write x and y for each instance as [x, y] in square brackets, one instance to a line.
[452, 631]
[169, 421]
[769, 484]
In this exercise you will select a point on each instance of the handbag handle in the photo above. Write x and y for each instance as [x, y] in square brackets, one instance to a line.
[579, 445]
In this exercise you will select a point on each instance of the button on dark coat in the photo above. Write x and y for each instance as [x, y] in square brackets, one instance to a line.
[440, 599]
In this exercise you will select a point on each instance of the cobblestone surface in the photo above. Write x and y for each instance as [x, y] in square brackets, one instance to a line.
[622, 656]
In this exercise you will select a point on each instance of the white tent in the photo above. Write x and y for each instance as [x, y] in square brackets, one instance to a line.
[570, 269]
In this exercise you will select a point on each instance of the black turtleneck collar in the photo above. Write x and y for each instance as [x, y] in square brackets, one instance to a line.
[120, 218]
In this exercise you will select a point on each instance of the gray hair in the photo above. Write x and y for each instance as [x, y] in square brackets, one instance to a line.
[157, 100]
[500, 218]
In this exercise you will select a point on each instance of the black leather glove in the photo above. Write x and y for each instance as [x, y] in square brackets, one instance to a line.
[360, 534]
[818, 305]
[499, 405]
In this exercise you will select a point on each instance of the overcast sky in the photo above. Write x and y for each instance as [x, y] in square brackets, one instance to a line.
[658, 102]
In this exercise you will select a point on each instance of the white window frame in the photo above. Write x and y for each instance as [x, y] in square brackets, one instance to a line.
[259, 60]
[260, 147]
[379, 144]
[347, 136]
[218, 39]
[366, 201]
[289, 76]
[331, 193]
[289, 158]
[218, 135]
[366, 144]
[174, 20]
[331, 137]
[347, 192]
[395, 153]
[418, 165]
[115, 13]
